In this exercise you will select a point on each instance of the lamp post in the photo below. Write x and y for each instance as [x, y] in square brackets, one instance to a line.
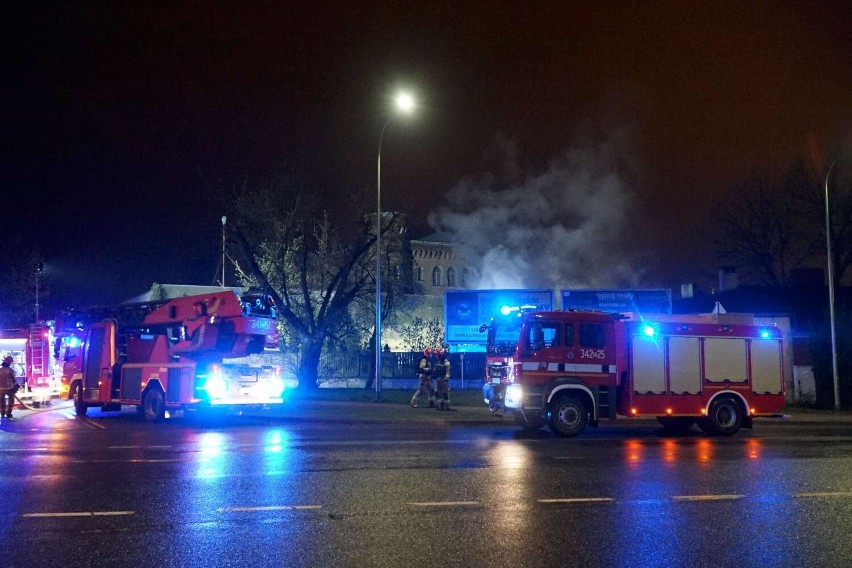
[831, 294]
[405, 104]
[224, 220]
[39, 267]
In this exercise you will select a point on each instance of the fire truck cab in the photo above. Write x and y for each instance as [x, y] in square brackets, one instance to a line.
[571, 369]
[166, 357]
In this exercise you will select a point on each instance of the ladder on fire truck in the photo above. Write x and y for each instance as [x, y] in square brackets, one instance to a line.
[37, 350]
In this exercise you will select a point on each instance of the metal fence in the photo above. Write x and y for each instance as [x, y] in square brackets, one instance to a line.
[399, 369]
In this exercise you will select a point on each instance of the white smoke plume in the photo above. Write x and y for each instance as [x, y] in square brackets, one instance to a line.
[562, 228]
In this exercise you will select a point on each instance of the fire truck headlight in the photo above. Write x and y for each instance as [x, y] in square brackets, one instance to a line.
[276, 387]
[514, 394]
[216, 386]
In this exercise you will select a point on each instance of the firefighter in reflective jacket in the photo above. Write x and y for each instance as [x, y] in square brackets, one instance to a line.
[424, 373]
[442, 380]
[8, 387]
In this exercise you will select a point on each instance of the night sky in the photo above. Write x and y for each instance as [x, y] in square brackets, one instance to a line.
[127, 123]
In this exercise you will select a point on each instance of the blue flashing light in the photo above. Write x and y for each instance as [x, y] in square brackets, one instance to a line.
[764, 334]
[216, 386]
[506, 310]
[74, 342]
[649, 331]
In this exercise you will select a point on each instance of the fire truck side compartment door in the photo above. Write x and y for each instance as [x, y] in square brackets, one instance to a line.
[99, 353]
[766, 376]
[725, 359]
[684, 365]
[649, 365]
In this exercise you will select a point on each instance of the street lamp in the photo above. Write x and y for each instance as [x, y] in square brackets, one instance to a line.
[224, 220]
[37, 269]
[831, 294]
[405, 104]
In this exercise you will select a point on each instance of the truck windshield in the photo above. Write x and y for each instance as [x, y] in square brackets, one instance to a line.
[256, 304]
[502, 336]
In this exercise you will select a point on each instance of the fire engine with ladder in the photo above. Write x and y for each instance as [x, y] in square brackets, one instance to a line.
[166, 357]
[30, 349]
[569, 369]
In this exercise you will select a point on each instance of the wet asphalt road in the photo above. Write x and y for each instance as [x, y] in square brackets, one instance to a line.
[111, 490]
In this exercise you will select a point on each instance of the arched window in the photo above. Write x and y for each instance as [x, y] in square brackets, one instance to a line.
[451, 277]
[465, 278]
[436, 276]
[419, 272]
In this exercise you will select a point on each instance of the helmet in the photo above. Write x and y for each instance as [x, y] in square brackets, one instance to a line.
[8, 359]
[427, 351]
[439, 351]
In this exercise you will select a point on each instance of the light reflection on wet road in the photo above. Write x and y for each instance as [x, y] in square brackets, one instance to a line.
[109, 490]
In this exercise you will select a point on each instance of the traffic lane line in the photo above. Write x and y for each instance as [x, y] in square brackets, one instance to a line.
[79, 514]
[446, 504]
[578, 500]
[439, 504]
[707, 497]
[269, 508]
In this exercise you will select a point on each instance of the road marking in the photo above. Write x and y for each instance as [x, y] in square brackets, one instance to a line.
[445, 504]
[85, 421]
[706, 497]
[270, 508]
[80, 514]
[138, 447]
[827, 494]
[130, 461]
[23, 450]
[579, 500]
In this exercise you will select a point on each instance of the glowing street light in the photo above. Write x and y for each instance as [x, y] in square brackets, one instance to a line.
[404, 104]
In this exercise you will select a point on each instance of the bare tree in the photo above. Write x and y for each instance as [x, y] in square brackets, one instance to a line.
[839, 181]
[296, 253]
[18, 282]
[770, 230]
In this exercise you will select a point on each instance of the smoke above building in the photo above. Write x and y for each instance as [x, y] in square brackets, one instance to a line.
[561, 228]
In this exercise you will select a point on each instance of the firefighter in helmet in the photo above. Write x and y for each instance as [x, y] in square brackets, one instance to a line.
[424, 373]
[8, 387]
[442, 380]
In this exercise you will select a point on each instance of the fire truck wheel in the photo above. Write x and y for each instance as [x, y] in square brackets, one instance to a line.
[726, 416]
[529, 422]
[80, 407]
[676, 424]
[568, 416]
[154, 405]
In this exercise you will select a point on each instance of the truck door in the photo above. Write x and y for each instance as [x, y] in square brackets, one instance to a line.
[98, 360]
[594, 347]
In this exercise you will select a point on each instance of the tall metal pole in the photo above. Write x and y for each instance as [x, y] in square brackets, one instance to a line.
[378, 379]
[224, 219]
[39, 266]
[36, 304]
[831, 294]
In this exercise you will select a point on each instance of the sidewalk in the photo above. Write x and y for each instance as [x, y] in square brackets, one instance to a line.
[384, 411]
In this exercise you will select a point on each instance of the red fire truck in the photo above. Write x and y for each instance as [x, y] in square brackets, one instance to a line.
[166, 357]
[570, 369]
[30, 349]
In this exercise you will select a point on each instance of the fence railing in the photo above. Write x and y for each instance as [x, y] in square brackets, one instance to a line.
[467, 369]
[399, 369]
